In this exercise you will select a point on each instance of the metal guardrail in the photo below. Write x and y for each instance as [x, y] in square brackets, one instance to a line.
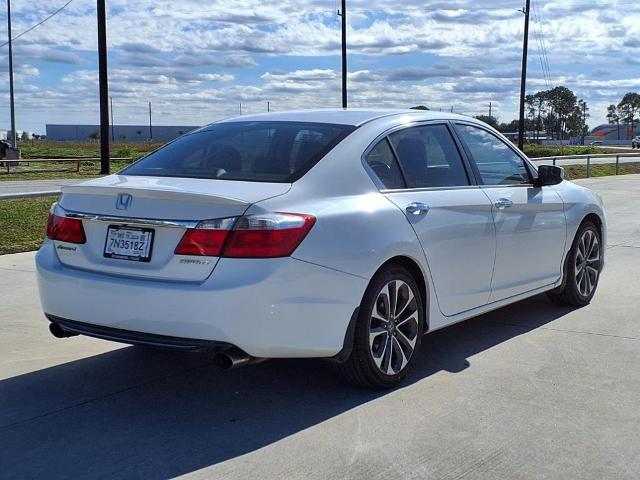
[588, 158]
[9, 164]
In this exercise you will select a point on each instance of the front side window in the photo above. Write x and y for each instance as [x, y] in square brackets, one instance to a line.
[251, 151]
[429, 157]
[497, 163]
[383, 163]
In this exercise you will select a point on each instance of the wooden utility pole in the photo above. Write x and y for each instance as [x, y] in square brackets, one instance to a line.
[343, 14]
[150, 127]
[14, 135]
[104, 88]
[584, 119]
[523, 79]
[113, 137]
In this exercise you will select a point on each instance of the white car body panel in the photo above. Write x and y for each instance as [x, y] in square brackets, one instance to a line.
[530, 239]
[301, 306]
[288, 316]
[458, 220]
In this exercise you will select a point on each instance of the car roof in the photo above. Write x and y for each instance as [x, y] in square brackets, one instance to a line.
[355, 117]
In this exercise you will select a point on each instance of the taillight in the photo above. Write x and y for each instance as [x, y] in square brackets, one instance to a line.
[206, 239]
[267, 235]
[65, 229]
[253, 236]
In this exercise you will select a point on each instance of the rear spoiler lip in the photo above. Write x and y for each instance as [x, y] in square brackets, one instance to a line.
[156, 193]
[203, 191]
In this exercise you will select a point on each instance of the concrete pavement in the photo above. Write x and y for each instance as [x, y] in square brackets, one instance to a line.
[529, 391]
[16, 188]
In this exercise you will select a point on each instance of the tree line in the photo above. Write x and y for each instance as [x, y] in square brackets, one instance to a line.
[556, 113]
[559, 114]
[625, 113]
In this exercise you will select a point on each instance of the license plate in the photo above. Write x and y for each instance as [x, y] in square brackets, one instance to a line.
[129, 243]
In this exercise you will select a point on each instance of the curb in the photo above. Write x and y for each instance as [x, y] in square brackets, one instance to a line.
[14, 196]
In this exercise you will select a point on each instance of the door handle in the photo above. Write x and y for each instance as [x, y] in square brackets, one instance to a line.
[503, 203]
[417, 208]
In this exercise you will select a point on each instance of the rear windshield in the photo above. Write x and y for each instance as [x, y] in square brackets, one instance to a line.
[249, 151]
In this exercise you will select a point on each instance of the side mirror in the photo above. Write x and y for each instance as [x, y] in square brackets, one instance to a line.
[549, 175]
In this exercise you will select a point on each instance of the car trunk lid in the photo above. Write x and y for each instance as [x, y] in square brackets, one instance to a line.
[165, 207]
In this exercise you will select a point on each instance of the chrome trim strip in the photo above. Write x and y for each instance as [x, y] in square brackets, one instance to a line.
[511, 185]
[149, 222]
[428, 189]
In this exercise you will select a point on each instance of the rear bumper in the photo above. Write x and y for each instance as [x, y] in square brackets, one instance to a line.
[269, 308]
[136, 338]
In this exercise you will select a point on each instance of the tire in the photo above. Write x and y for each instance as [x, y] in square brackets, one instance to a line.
[582, 268]
[380, 347]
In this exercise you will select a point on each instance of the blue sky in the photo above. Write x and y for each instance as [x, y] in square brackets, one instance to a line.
[197, 61]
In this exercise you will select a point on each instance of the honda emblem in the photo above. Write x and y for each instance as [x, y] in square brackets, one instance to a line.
[124, 201]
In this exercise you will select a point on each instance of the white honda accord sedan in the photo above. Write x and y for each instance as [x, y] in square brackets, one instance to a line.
[338, 234]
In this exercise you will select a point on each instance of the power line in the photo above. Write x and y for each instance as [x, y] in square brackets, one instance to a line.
[545, 54]
[37, 24]
[542, 48]
[536, 31]
[543, 65]
[544, 73]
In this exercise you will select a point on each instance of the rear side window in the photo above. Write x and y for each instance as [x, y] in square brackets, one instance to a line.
[383, 163]
[497, 163]
[429, 157]
[250, 151]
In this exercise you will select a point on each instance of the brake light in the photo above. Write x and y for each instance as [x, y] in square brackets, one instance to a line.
[65, 229]
[267, 235]
[253, 236]
[206, 239]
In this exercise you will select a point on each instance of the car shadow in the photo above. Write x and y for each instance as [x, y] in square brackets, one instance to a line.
[142, 413]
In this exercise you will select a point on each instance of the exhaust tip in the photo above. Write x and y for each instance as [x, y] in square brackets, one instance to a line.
[234, 358]
[222, 360]
[56, 330]
[59, 332]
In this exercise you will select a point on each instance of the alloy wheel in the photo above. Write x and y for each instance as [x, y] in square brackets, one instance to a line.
[587, 267]
[393, 327]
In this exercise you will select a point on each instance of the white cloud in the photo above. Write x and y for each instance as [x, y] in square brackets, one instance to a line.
[198, 60]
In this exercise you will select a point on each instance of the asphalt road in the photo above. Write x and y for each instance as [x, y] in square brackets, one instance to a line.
[526, 392]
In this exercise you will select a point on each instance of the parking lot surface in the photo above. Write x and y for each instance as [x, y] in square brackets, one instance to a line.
[528, 391]
[18, 188]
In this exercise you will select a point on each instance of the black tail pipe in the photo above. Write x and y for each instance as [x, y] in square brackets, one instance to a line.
[59, 332]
